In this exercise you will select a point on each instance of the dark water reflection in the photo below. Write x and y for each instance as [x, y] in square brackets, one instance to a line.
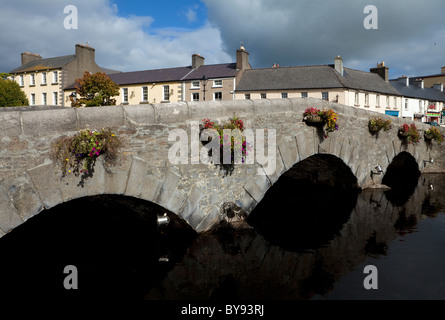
[377, 231]
[316, 251]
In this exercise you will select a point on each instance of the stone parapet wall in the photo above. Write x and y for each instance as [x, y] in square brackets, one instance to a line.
[30, 183]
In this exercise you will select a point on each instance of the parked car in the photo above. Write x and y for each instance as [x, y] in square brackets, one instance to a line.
[433, 123]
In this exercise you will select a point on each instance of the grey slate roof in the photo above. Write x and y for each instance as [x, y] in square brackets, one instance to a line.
[175, 74]
[225, 70]
[312, 77]
[414, 91]
[44, 64]
[150, 76]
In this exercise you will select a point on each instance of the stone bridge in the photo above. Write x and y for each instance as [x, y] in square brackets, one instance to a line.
[30, 182]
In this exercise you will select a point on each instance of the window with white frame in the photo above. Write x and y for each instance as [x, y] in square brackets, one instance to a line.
[55, 98]
[263, 96]
[55, 77]
[195, 96]
[217, 96]
[44, 101]
[21, 81]
[33, 99]
[284, 95]
[43, 78]
[325, 95]
[124, 95]
[32, 81]
[304, 94]
[166, 96]
[144, 94]
[406, 104]
[217, 83]
[367, 100]
[387, 102]
[195, 85]
[247, 96]
[356, 101]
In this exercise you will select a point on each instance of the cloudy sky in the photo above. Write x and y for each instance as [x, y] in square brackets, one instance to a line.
[133, 35]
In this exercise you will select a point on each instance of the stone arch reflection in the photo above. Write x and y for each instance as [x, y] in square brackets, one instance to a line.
[113, 241]
[308, 205]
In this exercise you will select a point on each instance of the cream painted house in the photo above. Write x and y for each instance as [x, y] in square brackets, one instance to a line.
[359, 89]
[197, 82]
[44, 80]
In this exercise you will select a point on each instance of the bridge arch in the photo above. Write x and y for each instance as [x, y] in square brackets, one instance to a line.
[113, 241]
[30, 182]
[308, 204]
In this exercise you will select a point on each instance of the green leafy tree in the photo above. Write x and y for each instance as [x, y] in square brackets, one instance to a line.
[95, 90]
[10, 93]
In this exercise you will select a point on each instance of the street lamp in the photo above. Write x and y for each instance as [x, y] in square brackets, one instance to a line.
[204, 81]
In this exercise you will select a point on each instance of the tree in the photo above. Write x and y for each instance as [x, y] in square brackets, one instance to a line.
[95, 90]
[11, 95]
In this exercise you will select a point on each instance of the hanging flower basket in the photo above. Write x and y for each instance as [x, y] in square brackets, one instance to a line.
[409, 133]
[428, 136]
[374, 128]
[403, 134]
[314, 119]
[375, 124]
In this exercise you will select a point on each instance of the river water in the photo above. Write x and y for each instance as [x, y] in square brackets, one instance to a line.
[303, 243]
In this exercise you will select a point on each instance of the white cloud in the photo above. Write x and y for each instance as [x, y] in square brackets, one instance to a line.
[124, 44]
[191, 15]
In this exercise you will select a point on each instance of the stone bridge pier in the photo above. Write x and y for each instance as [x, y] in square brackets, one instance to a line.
[197, 192]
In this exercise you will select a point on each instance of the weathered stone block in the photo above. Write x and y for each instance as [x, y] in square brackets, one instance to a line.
[288, 151]
[24, 197]
[192, 202]
[10, 124]
[136, 178]
[100, 117]
[45, 122]
[210, 220]
[9, 216]
[137, 115]
[306, 145]
[150, 189]
[168, 187]
[176, 202]
[47, 184]
[116, 177]
[169, 113]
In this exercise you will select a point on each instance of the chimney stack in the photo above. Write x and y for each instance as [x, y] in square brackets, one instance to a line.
[242, 59]
[338, 64]
[197, 61]
[405, 80]
[28, 57]
[420, 83]
[381, 70]
[438, 86]
[442, 70]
